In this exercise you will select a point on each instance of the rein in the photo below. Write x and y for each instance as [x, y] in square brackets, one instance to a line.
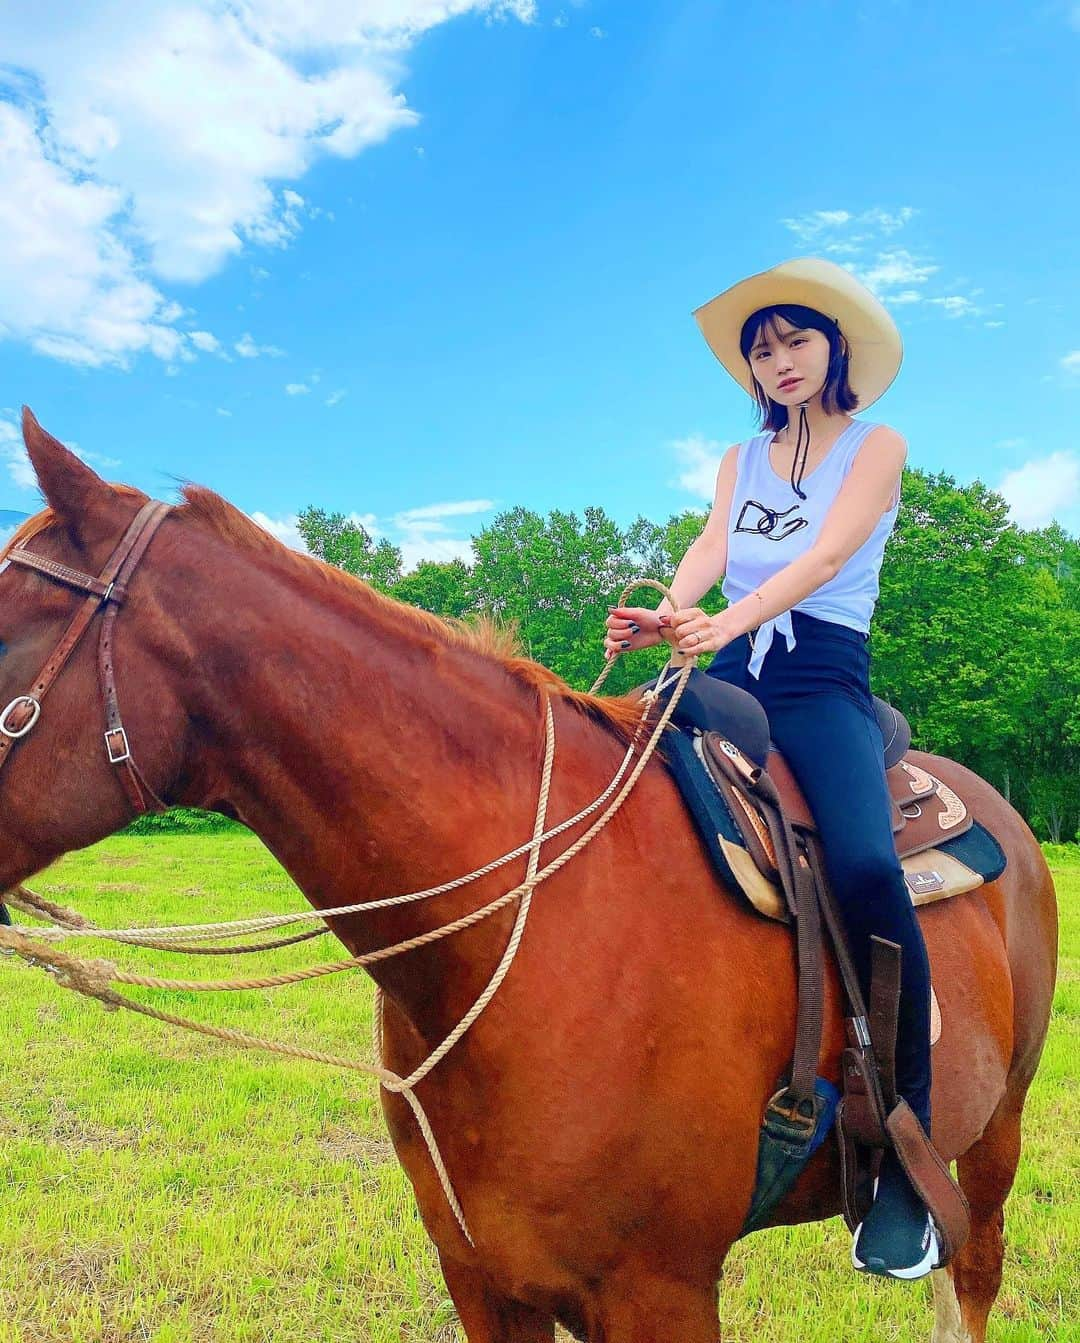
[94, 978]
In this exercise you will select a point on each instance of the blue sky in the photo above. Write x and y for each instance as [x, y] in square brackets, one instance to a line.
[420, 260]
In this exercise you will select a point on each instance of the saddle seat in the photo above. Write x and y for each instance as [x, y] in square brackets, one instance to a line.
[719, 719]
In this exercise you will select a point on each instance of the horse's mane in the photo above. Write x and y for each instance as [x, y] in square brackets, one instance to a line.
[481, 634]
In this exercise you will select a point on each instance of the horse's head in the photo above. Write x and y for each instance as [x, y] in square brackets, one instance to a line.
[59, 777]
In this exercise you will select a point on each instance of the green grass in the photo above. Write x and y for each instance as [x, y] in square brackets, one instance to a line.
[161, 1188]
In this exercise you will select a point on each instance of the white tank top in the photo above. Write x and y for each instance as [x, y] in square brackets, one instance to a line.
[770, 526]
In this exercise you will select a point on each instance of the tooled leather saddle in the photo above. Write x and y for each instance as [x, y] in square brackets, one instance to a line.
[757, 825]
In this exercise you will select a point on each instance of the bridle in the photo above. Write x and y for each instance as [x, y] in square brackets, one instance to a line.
[108, 591]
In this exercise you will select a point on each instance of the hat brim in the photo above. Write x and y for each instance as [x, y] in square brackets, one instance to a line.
[876, 350]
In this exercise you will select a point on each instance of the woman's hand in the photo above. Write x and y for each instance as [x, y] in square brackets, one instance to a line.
[629, 628]
[696, 632]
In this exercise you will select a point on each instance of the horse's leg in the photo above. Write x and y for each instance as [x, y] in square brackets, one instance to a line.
[487, 1317]
[965, 1292]
[645, 1307]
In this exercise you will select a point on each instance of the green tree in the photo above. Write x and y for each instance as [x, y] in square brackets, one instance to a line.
[975, 642]
[348, 545]
[442, 587]
[554, 578]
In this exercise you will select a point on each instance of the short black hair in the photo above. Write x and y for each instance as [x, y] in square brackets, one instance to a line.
[836, 394]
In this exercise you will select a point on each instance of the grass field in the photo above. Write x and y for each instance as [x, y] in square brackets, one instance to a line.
[156, 1187]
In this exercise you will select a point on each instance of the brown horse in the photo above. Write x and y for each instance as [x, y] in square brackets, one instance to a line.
[600, 1121]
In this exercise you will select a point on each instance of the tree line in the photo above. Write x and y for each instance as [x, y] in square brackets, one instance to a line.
[976, 637]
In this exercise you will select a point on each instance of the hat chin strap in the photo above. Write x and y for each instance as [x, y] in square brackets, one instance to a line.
[802, 451]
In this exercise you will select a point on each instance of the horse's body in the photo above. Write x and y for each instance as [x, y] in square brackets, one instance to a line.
[600, 1121]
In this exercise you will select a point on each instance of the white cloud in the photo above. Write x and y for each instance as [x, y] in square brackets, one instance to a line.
[955, 305]
[452, 509]
[285, 529]
[863, 243]
[415, 549]
[226, 413]
[597, 32]
[337, 396]
[246, 348]
[1070, 364]
[296, 389]
[70, 285]
[895, 269]
[422, 534]
[13, 455]
[148, 144]
[699, 460]
[1042, 489]
[203, 340]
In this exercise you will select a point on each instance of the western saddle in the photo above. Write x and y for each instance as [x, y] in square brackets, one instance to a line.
[774, 852]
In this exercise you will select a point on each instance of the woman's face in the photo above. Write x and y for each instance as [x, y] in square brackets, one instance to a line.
[790, 363]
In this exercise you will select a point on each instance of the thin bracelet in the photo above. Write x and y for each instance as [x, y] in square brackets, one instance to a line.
[761, 612]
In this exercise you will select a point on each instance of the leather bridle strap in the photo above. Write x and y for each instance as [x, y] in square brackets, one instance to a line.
[107, 589]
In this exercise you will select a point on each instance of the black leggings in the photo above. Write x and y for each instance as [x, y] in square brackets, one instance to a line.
[822, 718]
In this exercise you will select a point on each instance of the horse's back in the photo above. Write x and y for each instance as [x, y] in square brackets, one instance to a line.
[1022, 906]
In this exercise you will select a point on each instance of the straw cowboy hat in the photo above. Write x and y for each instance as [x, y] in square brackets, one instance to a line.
[872, 336]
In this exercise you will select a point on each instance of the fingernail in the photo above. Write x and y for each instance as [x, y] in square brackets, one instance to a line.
[635, 629]
[625, 643]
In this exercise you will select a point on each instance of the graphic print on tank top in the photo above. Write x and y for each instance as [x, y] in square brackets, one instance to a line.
[769, 527]
[763, 521]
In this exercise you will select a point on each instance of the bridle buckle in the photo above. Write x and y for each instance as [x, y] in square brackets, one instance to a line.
[15, 733]
[117, 757]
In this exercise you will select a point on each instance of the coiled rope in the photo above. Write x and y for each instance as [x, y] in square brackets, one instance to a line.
[94, 978]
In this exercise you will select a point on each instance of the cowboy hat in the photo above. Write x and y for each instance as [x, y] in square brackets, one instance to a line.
[872, 336]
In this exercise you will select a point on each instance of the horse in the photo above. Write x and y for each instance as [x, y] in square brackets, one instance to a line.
[600, 1121]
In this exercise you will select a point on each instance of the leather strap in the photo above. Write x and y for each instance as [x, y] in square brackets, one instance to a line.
[886, 963]
[931, 1180]
[73, 578]
[116, 740]
[107, 589]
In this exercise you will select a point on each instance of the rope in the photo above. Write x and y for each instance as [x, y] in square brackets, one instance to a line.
[94, 978]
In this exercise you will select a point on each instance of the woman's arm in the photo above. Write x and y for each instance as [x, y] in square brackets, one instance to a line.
[870, 488]
[632, 627]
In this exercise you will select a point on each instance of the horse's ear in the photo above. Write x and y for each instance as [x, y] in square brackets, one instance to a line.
[70, 488]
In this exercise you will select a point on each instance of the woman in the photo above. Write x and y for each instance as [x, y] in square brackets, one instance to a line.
[801, 515]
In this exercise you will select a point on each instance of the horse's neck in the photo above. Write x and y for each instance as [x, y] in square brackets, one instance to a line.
[374, 761]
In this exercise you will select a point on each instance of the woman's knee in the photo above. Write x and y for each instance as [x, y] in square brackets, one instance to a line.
[867, 875]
